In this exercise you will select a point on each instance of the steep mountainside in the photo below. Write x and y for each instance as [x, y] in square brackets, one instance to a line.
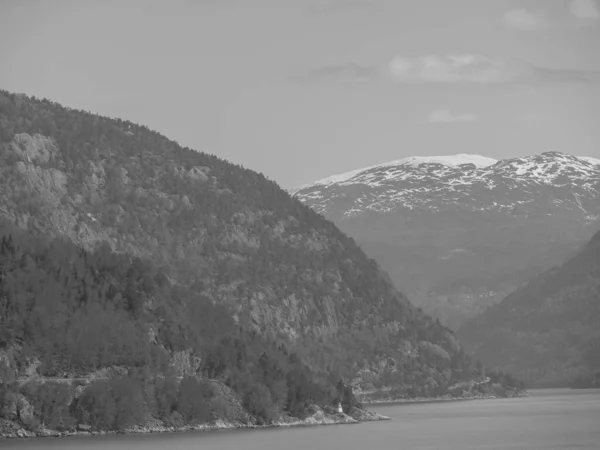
[220, 231]
[458, 233]
[547, 332]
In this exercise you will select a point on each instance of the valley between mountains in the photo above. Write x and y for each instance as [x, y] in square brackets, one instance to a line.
[145, 286]
[505, 252]
[547, 332]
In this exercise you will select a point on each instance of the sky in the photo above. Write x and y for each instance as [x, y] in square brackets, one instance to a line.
[303, 89]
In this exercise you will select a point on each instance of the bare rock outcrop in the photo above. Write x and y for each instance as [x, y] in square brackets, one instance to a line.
[33, 148]
[25, 412]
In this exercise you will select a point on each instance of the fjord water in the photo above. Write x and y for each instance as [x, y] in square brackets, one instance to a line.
[548, 419]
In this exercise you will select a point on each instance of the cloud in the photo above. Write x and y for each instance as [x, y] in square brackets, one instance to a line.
[523, 19]
[585, 9]
[575, 14]
[479, 69]
[445, 116]
[453, 69]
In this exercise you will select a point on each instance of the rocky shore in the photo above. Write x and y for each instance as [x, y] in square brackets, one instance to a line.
[12, 430]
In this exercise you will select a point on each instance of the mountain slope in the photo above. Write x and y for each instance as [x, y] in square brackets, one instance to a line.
[230, 235]
[457, 233]
[547, 332]
[115, 323]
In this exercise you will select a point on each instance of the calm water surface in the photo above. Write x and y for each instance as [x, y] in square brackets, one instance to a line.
[548, 420]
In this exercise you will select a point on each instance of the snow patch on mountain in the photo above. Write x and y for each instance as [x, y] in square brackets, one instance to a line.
[594, 161]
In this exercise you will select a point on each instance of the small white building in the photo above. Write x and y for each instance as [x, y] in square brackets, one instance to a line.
[339, 408]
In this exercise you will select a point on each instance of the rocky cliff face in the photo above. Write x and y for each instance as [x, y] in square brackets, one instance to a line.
[234, 236]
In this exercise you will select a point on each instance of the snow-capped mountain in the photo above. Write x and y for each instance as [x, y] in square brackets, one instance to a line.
[413, 161]
[459, 232]
[456, 181]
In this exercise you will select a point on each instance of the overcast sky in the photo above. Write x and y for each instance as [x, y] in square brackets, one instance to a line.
[302, 89]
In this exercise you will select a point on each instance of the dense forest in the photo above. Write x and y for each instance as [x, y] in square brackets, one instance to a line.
[548, 332]
[124, 251]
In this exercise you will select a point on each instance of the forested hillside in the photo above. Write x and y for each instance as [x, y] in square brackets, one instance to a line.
[65, 312]
[548, 332]
[220, 273]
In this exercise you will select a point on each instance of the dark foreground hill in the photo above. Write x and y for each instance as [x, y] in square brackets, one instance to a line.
[548, 332]
[222, 276]
[115, 342]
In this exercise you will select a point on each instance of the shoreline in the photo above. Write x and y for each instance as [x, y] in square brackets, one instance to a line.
[401, 401]
[319, 418]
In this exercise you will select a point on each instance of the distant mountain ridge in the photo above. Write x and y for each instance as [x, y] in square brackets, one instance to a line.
[452, 173]
[459, 232]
